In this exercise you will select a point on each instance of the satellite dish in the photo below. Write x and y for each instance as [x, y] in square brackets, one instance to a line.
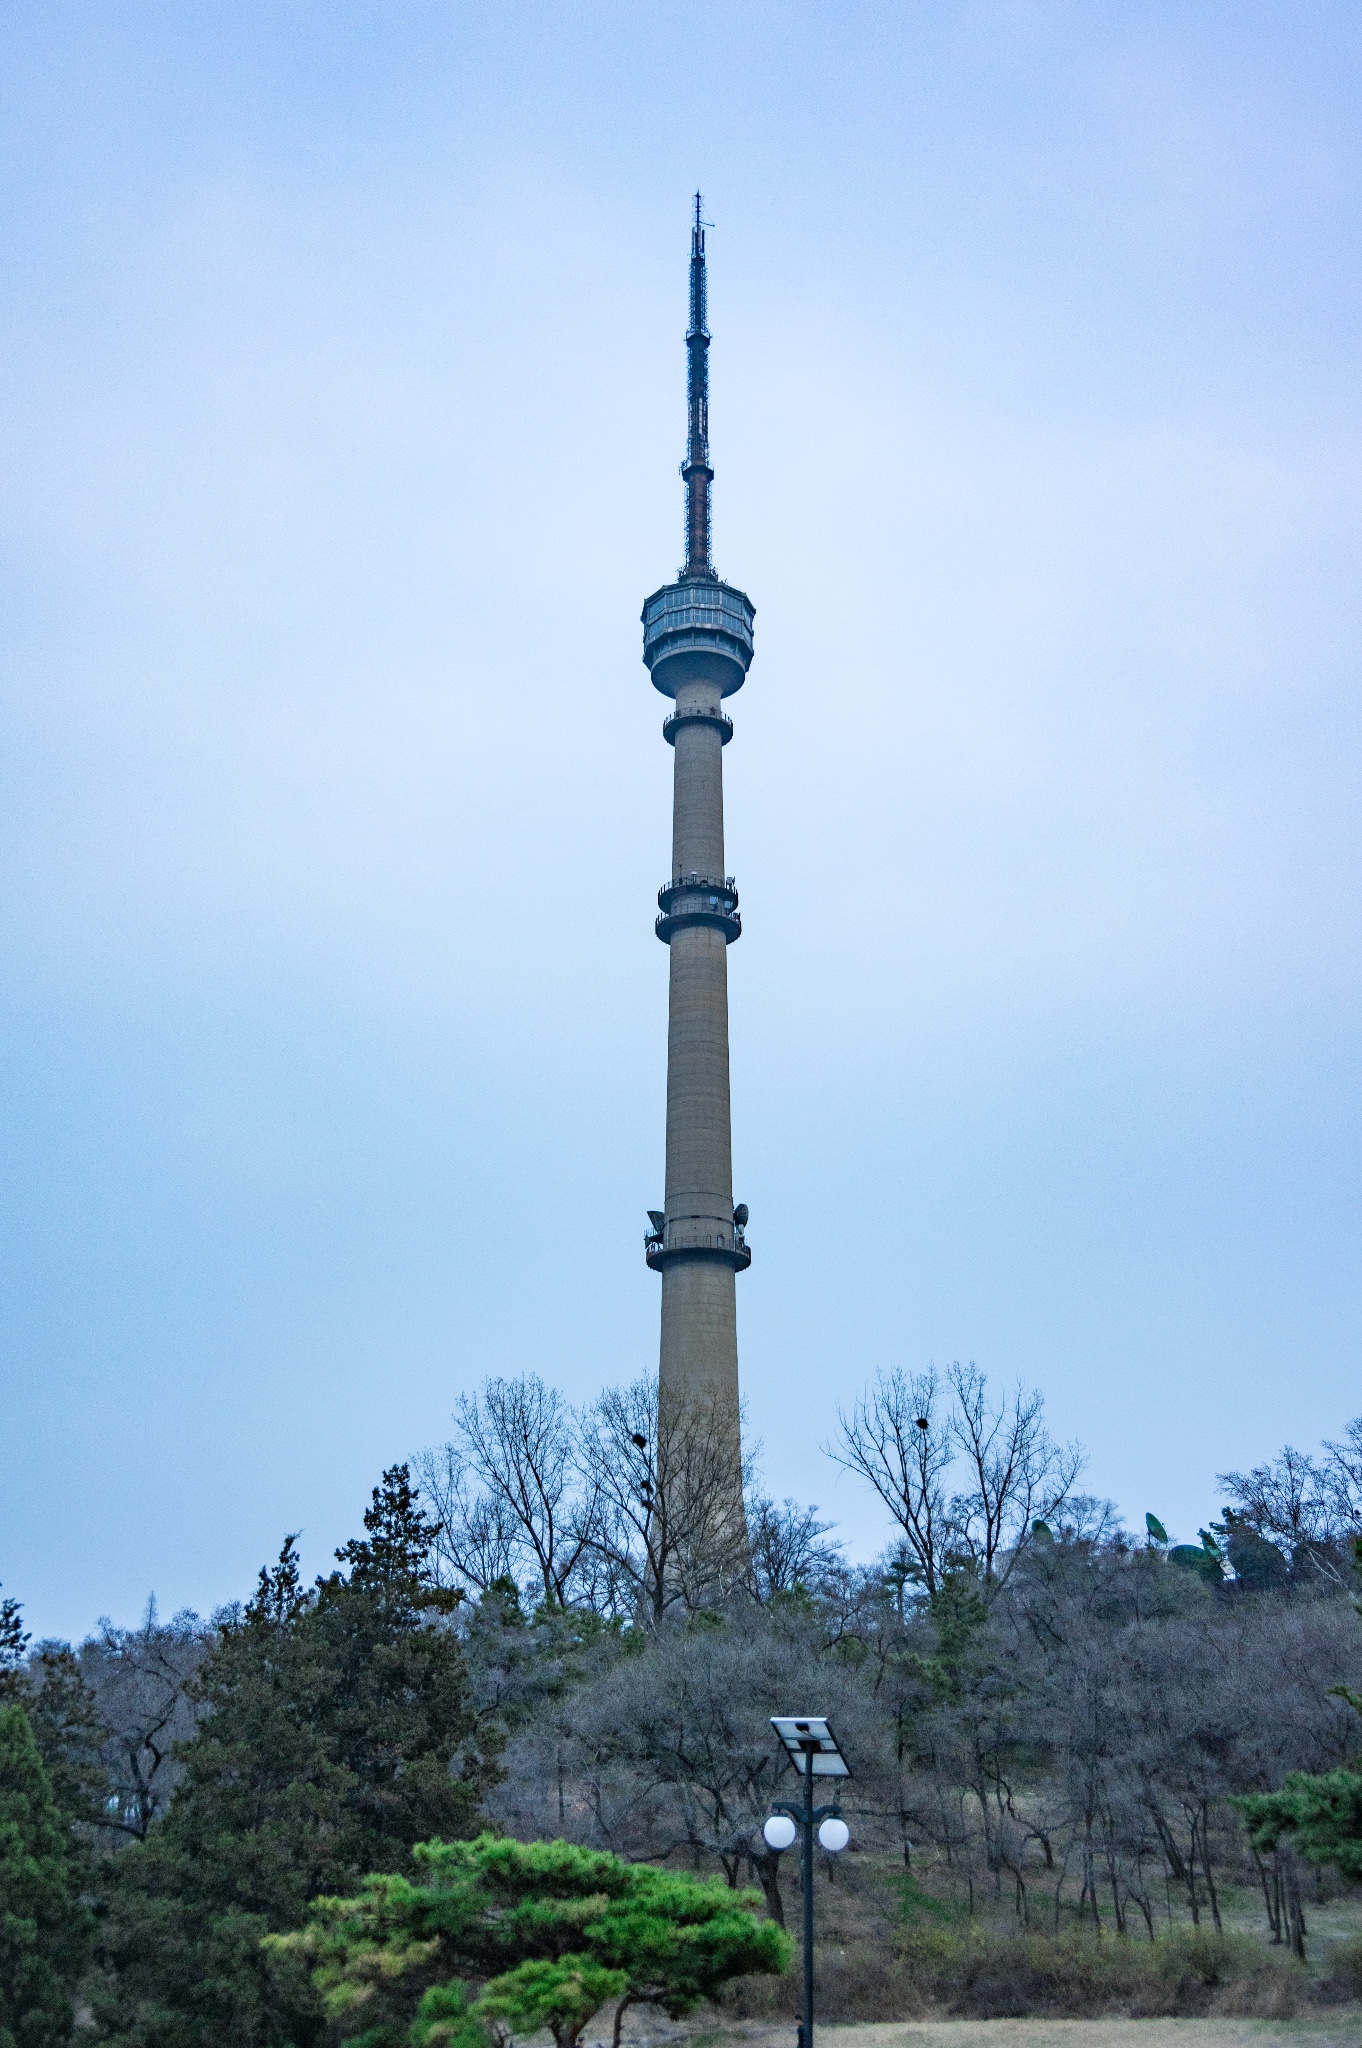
[740, 1215]
[658, 1220]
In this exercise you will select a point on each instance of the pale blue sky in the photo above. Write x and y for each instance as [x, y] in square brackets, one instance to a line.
[343, 404]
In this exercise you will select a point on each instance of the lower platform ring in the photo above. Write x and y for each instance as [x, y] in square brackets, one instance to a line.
[728, 922]
[660, 1256]
[719, 719]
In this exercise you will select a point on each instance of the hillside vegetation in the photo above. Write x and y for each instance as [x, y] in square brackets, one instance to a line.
[1094, 1773]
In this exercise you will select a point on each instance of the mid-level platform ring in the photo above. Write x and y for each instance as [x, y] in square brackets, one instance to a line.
[719, 719]
[698, 900]
[733, 1251]
[726, 921]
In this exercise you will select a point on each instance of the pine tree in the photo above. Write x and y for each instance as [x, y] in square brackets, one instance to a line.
[1320, 1816]
[70, 1735]
[66, 1727]
[547, 1933]
[42, 1927]
[338, 1732]
[13, 1643]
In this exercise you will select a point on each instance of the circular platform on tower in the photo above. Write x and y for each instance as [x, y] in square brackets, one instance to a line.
[698, 899]
[681, 1242]
[698, 630]
[697, 715]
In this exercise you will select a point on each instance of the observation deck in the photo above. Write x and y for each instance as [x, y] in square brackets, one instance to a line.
[698, 1237]
[698, 899]
[698, 628]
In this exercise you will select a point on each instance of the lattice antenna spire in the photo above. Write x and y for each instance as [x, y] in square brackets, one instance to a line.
[696, 469]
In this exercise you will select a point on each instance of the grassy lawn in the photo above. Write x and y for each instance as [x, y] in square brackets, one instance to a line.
[1336, 2030]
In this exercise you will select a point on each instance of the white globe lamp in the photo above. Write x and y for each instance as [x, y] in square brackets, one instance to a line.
[779, 1831]
[833, 1835]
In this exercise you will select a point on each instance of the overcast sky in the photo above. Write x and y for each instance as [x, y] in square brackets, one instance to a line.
[344, 397]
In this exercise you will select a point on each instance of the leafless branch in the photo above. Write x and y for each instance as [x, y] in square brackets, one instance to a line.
[894, 1438]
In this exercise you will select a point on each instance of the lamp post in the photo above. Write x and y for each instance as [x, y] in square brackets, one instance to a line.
[812, 1748]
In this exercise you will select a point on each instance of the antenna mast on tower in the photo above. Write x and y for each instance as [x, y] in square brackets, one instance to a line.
[695, 469]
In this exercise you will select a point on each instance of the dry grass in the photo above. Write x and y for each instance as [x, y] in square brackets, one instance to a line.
[1334, 2030]
[882, 1959]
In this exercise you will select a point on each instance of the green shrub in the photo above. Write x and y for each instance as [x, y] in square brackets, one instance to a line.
[914, 1902]
[1342, 1982]
[937, 1957]
[1197, 1970]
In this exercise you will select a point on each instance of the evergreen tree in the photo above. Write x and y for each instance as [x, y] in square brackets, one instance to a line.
[337, 1733]
[42, 1926]
[70, 1736]
[1319, 1815]
[546, 1931]
[13, 1643]
[65, 1725]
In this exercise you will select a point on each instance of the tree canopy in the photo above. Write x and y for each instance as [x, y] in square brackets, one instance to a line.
[1321, 1816]
[43, 1928]
[551, 1932]
[337, 1731]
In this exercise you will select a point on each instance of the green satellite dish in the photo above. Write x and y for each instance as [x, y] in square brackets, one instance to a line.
[1156, 1528]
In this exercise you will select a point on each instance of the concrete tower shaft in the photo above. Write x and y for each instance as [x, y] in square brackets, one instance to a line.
[697, 643]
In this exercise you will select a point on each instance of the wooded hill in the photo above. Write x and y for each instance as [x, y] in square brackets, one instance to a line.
[548, 1630]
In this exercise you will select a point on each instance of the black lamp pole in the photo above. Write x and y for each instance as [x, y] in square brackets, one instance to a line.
[806, 1819]
[806, 1850]
[808, 1740]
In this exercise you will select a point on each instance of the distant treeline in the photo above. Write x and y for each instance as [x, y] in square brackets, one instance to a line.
[555, 1624]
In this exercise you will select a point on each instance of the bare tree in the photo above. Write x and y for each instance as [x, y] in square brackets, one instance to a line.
[670, 1751]
[1308, 1509]
[894, 1438]
[1017, 1474]
[787, 1546]
[1342, 1469]
[666, 1521]
[1288, 1498]
[141, 1679]
[532, 1508]
[477, 1537]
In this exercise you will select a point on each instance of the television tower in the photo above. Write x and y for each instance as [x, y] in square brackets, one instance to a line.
[697, 643]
